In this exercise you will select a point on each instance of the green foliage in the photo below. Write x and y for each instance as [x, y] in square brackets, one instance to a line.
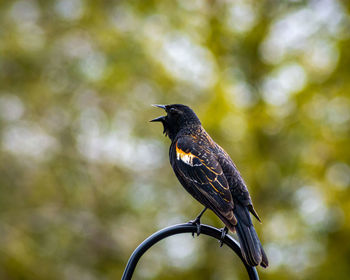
[84, 178]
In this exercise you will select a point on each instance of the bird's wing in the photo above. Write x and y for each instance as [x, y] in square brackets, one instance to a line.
[199, 166]
[237, 185]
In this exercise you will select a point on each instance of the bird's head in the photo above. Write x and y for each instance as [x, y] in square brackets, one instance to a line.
[178, 117]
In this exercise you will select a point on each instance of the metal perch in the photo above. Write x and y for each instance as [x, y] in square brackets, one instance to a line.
[184, 228]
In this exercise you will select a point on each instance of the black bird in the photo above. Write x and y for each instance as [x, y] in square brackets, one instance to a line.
[208, 173]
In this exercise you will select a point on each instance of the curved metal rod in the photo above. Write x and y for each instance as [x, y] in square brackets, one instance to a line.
[184, 228]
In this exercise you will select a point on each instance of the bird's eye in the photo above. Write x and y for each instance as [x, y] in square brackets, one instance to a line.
[173, 111]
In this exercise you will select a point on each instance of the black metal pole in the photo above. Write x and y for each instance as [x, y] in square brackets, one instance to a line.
[184, 228]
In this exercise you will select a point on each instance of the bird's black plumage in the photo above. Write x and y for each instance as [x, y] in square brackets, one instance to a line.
[207, 172]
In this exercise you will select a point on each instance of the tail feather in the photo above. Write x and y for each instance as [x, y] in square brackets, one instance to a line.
[264, 262]
[251, 247]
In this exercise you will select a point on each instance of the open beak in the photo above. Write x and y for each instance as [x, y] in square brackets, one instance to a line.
[161, 118]
[159, 106]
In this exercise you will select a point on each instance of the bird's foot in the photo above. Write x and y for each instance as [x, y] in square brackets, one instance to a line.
[197, 222]
[224, 231]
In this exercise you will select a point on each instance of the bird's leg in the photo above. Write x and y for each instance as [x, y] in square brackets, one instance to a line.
[224, 231]
[197, 221]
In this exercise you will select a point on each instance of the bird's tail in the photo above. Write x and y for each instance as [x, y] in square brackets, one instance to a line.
[251, 247]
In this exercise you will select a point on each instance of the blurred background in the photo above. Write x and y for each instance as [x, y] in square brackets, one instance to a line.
[84, 177]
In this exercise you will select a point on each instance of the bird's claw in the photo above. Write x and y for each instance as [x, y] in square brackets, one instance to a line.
[224, 231]
[196, 222]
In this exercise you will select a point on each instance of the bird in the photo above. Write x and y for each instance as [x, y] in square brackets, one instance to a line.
[208, 173]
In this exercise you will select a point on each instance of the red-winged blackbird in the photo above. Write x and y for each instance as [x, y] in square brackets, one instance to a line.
[207, 172]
